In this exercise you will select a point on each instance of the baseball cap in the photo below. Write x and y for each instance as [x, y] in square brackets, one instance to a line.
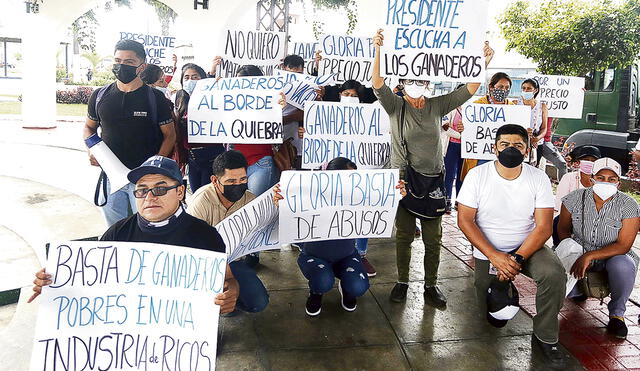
[584, 151]
[156, 165]
[607, 163]
[502, 302]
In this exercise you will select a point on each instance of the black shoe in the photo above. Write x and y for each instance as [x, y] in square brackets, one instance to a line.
[434, 297]
[349, 303]
[314, 304]
[617, 328]
[399, 292]
[552, 354]
[252, 260]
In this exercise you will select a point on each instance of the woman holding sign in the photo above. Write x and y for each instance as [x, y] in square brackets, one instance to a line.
[419, 150]
[537, 128]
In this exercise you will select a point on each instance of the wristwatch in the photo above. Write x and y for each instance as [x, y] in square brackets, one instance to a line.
[518, 258]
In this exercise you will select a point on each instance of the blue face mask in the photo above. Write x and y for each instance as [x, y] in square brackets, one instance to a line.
[527, 95]
[189, 86]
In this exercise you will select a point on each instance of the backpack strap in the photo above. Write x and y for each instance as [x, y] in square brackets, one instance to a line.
[99, 95]
[101, 186]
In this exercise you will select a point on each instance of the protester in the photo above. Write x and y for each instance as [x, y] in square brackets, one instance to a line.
[550, 152]
[293, 63]
[199, 156]
[323, 261]
[421, 128]
[539, 114]
[505, 210]
[154, 77]
[582, 157]
[452, 127]
[605, 222]
[162, 220]
[225, 194]
[497, 93]
[135, 122]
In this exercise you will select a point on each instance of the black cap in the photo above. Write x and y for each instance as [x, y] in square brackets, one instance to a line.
[502, 302]
[584, 151]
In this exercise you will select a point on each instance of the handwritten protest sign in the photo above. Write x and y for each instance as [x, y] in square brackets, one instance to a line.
[337, 204]
[236, 110]
[301, 88]
[124, 305]
[359, 132]
[265, 49]
[306, 50]
[159, 48]
[350, 58]
[481, 121]
[251, 229]
[564, 95]
[440, 40]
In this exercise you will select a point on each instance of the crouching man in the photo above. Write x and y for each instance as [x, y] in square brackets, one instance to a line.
[505, 209]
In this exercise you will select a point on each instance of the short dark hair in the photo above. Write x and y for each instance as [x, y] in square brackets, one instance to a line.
[499, 76]
[151, 74]
[513, 130]
[351, 84]
[535, 85]
[133, 46]
[249, 70]
[341, 163]
[228, 160]
[293, 61]
[192, 66]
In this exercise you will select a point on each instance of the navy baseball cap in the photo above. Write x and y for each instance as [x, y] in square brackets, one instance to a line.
[502, 302]
[156, 165]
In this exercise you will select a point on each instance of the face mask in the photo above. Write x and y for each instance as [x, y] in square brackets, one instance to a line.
[163, 90]
[345, 99]
[124, 73]
[586, 167]
[499, 94]
[605, 190]
[510, 157]
[189, 86]
[415, 91]
[234, 192]
[527, 95]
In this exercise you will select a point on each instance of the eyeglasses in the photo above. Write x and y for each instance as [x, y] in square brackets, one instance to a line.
[415, 82]
[156, 191]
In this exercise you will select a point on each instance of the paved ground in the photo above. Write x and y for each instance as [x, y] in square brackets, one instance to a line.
[48, 192]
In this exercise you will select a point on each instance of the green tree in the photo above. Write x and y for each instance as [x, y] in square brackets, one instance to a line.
[94, 59]
[574, 37]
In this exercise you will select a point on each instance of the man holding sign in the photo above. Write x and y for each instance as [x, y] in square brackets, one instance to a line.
[419, 147]
[162, 219]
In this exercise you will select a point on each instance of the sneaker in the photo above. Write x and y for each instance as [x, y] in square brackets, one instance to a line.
[349, 303]
[552, 354]
[434, 297]
[617, 327]
[314, 304]
[252, 260]
[399, 292]
[371, 271]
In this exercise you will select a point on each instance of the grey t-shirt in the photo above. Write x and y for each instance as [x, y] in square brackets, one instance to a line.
[421, 128]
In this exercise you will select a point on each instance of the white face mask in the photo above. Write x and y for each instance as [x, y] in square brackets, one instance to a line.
[189, 86]
[605, 190]
[415, 91]
[346, 99]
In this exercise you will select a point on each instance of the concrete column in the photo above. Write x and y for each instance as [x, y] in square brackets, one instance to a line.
[39, 46]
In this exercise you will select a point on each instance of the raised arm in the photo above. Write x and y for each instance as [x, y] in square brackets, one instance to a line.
[376, 80]
[488, 55]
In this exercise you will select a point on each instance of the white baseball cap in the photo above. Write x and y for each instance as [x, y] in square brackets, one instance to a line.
[606, 163]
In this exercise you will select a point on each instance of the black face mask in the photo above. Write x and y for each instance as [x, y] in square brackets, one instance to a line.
[510, 157]
[124, 73]
[234, 192]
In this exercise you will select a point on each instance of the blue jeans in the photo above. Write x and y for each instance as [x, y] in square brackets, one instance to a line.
[253, 296]
[361, 245]
[322, 274]
[200, 161]
[452, 166]
[120, 204]
[262, 175]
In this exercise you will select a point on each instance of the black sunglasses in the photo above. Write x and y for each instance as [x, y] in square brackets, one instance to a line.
[156, 191]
